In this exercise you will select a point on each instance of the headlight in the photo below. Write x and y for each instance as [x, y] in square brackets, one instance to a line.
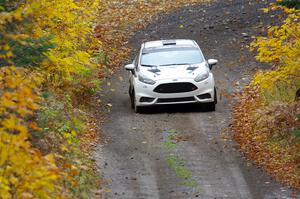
[202, 76]
[146, 80]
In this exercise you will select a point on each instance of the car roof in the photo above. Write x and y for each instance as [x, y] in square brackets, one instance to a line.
[170, 43]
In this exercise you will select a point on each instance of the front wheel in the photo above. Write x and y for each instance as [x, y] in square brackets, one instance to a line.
[215, 96]
[131, 95]
[212, 105]
[136, 108]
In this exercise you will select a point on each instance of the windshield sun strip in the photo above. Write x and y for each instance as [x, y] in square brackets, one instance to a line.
[155, 50]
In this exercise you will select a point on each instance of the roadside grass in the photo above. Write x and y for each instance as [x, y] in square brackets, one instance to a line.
[61, 128]
[177, 164]
[281, 92]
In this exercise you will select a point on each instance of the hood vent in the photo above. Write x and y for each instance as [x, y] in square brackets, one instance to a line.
[154, 70]
[192, 68]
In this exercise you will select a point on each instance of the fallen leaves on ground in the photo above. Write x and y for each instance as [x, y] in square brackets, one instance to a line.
[266, 116]
[119, 20]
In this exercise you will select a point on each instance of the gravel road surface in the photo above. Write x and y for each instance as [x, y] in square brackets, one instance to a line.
[137, 160]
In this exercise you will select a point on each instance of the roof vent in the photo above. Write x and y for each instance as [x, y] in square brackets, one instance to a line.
[169, 42]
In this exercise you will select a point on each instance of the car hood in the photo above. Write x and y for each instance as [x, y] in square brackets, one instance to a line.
[174, 71]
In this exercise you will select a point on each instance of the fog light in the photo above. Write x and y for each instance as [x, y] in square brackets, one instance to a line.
[204, 96]
[147, 99]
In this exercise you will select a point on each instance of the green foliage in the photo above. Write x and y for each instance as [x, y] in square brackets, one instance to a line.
[100, 57]
[7, 5]
[168, 142]
[176, 163]
[60, 126]
[291, 3]
[78, 165]
[178, 166]
[60, 117]
[17, 47]
[296, 133]
[96, 85]
[30, 52]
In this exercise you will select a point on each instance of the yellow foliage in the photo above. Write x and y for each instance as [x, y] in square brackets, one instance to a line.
[70, 24]
[281, 49]
[24, 171]
[5, 19]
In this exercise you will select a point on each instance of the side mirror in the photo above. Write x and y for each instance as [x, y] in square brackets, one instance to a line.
[212, 62]
[130, 67]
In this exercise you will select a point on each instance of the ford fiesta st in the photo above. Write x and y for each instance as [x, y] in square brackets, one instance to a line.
[171, 72]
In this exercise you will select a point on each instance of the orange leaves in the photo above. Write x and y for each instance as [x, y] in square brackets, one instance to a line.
[265, 115]
[33, 126]
[264, 135]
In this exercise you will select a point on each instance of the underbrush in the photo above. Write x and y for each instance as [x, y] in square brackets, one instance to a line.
[269, 135]
[266, 117]
[53, 56]
[46, 62]
[61, 126]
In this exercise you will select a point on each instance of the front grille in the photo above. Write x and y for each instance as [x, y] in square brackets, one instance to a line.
[170, 100]
[175, 88]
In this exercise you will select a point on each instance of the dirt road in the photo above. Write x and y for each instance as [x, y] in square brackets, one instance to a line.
[182, 151]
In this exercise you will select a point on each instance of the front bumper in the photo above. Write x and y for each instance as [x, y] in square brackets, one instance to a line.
[145, 95]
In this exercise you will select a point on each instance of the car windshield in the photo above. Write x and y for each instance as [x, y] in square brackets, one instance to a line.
[175, 56]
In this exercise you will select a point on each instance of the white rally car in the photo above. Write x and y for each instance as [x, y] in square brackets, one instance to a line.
[171, 72]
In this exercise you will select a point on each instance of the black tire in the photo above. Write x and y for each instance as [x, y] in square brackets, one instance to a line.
[297, 97]
[210, 106]
[215, 96]
[136, 108]
[131, 93]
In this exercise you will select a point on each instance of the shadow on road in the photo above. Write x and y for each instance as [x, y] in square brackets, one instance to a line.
[178, 108]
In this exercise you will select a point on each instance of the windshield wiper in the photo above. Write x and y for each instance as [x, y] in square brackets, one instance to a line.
[175, 64]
